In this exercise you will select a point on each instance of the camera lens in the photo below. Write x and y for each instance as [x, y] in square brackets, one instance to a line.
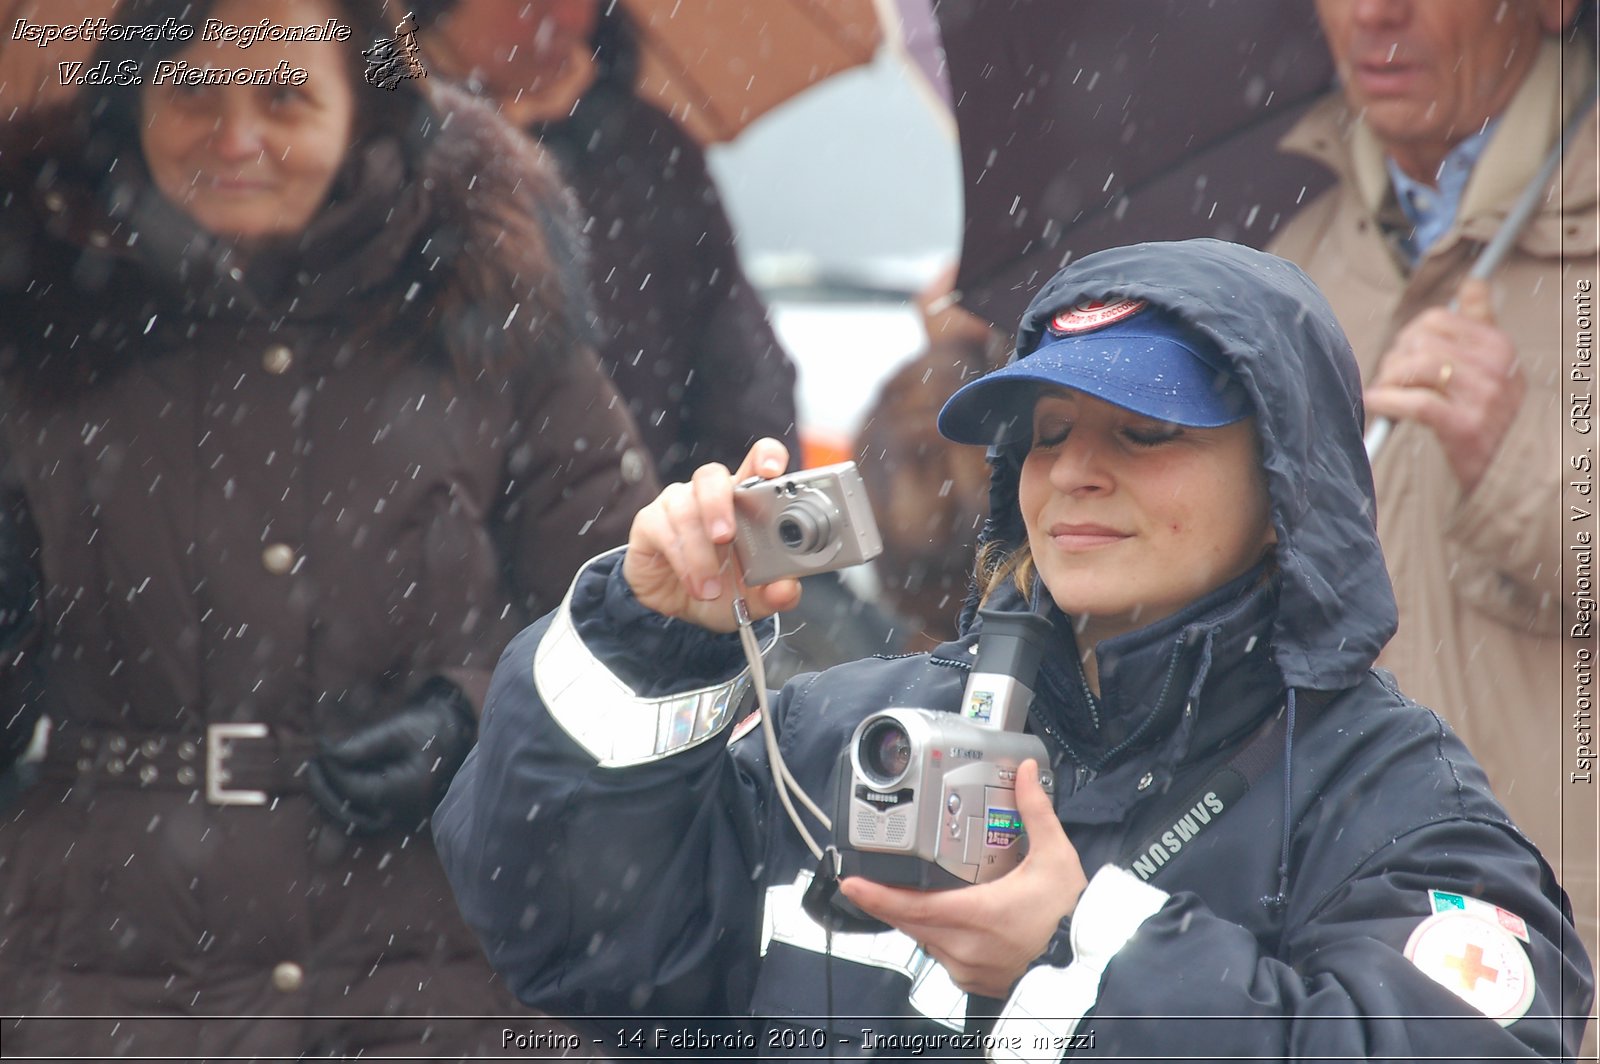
[803, 528]
[791, 533]
[885, 752]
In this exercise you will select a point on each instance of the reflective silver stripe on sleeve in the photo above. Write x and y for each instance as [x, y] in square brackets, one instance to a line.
[1049, 1003]
[604, 716]
[932, 992]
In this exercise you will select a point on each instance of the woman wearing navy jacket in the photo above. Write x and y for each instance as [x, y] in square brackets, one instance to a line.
[1179, 485]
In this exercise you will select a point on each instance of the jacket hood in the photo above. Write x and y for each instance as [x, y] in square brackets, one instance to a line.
[1282, 343]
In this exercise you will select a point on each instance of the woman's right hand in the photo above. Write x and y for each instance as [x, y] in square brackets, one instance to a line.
[680, 560]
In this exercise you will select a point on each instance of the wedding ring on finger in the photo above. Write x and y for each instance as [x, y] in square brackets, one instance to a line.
[1446, 371]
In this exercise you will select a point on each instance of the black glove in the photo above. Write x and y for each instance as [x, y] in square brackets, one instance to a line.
[396, 770]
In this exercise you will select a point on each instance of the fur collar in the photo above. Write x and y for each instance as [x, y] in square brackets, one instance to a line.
[459, 232]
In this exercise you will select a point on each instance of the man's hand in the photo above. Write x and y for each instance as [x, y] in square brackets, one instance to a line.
[1458, 374]
[986, 936]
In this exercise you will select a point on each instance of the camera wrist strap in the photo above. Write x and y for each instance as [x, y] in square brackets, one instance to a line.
[783, 780]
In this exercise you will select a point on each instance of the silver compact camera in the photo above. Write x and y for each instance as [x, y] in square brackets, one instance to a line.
[928, 799]
[796, 524]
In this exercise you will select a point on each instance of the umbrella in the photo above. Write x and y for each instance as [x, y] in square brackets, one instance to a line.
[1096, 123]
[718, 65]
[714, 65]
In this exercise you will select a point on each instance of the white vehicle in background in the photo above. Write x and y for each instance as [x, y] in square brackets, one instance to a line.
[846, 336]
[846, 339]
[847, 202]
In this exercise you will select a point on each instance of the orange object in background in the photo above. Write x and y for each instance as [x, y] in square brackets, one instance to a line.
[821, 448]
[765, 54]
[30, 75]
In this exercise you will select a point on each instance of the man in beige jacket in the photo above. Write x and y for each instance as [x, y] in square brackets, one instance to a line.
[1447, 111]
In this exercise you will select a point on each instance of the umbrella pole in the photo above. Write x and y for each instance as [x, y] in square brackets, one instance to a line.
[1495, 250]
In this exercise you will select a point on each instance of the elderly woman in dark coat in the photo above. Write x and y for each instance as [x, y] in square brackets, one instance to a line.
[297, 428]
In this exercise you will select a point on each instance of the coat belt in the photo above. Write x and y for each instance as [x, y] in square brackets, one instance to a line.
[244, 763]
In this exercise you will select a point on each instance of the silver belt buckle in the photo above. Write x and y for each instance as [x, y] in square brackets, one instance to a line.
[217, 738]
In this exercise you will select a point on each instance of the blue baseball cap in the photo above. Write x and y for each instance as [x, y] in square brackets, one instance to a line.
[1121, 351]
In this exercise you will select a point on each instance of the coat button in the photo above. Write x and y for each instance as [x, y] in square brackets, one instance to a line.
[278, 559]
[277, 359]
[288, 977]
[1145, 781]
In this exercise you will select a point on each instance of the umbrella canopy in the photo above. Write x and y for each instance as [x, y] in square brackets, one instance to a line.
[718, 65]
[1097, 123]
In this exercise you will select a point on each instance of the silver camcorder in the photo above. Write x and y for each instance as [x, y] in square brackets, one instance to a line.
[796, 524]
[928, 799]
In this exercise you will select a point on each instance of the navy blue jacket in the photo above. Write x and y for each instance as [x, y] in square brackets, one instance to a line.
[1286, 926]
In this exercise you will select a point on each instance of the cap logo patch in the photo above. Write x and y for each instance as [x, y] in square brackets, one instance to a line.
[1476, 959]
[1094, 314]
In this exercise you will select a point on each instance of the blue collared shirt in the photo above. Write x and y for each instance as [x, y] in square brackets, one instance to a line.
[1432, 209]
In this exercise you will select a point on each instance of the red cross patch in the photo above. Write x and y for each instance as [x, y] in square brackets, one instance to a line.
[1478, 960]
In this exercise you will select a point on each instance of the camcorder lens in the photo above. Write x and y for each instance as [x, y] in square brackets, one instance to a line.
[885, 751]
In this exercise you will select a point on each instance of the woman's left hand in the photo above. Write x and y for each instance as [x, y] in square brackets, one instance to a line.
[987, 935]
